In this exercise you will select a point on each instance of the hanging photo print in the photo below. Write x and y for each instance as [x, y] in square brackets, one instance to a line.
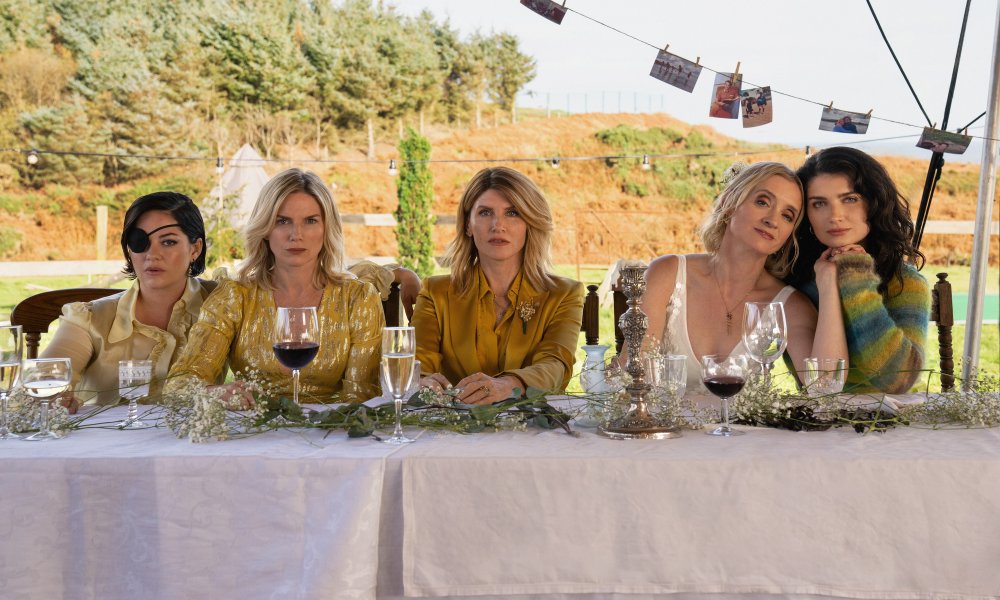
[842, 121]
[944, 141]
[676, 71]
[726, 96]
[756, 103]
[548, 9]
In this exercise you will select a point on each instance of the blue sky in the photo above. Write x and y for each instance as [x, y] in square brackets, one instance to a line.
[821, 51]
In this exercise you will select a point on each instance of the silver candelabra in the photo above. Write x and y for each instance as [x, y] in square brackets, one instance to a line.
[637, 422]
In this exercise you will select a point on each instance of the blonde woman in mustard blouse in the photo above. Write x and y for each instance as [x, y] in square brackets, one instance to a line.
[500, 321]
[295, 248]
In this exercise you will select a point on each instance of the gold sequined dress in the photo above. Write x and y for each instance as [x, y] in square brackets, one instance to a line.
[237, 322]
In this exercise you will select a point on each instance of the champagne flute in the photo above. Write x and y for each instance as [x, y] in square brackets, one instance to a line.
[765, 333]
[296, 340]
[398, 356]
[10, 363]
[724, 377]
[44, 379]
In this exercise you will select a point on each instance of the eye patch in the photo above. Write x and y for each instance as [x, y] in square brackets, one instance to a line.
[138, 241]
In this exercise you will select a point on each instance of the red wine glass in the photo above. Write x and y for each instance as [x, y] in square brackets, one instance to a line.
[296, 340]
[724, 377]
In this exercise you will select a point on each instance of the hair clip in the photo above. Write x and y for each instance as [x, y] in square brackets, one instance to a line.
[733, 171]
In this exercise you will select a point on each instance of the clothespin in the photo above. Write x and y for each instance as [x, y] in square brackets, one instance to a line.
[665, 47]
[831, 106]
[868, 115]
[698, 62]
[736, 73]
[564, 4]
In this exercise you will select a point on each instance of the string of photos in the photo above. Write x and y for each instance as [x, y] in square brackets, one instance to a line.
[753, 104]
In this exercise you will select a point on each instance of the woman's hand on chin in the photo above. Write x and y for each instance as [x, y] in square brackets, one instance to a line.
[480, 388]
[848, 249]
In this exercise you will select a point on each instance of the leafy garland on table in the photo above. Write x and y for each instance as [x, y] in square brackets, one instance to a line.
[198, 412]
[760, 404]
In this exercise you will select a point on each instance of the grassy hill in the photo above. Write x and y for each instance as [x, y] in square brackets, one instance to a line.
[604, 209]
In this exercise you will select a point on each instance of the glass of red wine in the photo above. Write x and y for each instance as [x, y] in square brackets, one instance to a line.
[296, 340]
[724, 377]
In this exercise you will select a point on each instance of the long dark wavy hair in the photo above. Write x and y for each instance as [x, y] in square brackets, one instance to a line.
[890, 235]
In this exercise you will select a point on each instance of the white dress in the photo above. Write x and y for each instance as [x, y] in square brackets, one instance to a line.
[675, 330]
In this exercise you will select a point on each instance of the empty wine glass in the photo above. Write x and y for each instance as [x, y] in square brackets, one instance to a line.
[398, 355]
[825, 376]
[10, 364]
[296, 340]
[44, 379]
[133, 383]
[765, 333]
[724, 377]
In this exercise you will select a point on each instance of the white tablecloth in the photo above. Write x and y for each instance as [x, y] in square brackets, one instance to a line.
[143, 515]
[115, 514]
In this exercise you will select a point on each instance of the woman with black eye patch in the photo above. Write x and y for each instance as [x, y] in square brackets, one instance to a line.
[163, 241]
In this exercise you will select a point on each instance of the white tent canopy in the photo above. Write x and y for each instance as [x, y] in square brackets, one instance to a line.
[243, 179]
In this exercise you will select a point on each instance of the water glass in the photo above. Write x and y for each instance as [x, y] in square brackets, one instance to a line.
[825, 376]
[44, 379]
[11, 347]
[133, 383]
[668, 373]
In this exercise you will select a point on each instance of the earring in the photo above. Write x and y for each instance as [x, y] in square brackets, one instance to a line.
[190, 269]
[811, 230]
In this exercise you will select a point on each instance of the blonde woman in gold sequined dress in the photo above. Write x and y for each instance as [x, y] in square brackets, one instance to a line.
[294, 258]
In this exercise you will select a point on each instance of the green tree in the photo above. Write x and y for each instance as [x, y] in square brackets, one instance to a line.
[510, 70]
[415, 190]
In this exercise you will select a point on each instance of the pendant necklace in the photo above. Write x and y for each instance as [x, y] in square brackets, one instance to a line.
[729, 311]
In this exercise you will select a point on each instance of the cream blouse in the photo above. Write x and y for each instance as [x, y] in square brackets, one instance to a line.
[96, 335]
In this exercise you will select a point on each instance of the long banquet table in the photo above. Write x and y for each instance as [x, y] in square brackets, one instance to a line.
[911, 513]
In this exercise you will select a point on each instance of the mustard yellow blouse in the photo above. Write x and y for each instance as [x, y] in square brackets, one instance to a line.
[456, 335]
[237, 322]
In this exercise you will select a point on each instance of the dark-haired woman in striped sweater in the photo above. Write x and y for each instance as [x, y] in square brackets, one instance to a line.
[857, 219]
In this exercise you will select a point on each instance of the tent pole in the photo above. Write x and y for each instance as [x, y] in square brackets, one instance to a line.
[984, 210]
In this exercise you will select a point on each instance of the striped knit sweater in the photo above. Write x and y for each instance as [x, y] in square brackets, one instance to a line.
[886, 335]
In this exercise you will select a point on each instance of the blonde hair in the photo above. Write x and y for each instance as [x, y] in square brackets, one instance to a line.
[462, 255]
[736, 192]
[259, 264]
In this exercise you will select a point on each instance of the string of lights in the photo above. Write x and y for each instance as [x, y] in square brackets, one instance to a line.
[32, 156]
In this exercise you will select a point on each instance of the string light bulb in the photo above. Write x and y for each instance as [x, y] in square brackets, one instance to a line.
[393, 170]
[32, 157]
[555, 163]
[219, 165]
[645, 163]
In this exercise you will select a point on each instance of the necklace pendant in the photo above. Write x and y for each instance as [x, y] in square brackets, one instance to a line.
[729, 322]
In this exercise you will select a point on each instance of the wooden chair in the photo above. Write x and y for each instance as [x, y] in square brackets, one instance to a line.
[591, 325]
[943, 314]
[390, 306]
[35, 313]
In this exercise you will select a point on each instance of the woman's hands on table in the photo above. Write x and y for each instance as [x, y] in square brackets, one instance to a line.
[477, 388]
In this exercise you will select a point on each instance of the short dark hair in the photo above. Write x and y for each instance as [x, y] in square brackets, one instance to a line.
[181, 208]
[890, 234]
